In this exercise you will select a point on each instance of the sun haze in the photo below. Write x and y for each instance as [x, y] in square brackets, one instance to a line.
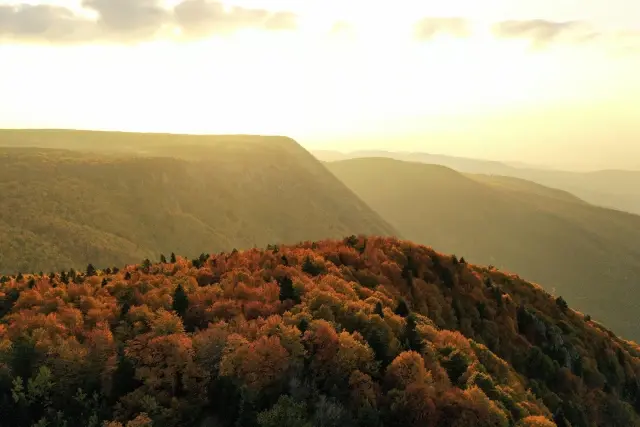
[544, 81]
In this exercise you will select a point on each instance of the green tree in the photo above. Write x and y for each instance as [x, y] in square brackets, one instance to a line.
[402, 309]
[287, 291]
[310, 267]
[455, 362]
[379, 310]
[180, 301]
[91, 271]
[173, 258]
[163, 259]
[285, 413]
[412, 337]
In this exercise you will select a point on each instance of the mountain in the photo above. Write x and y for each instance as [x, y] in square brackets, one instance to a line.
[589, 255]
[365, 331]
[615, 189]
[65, 208]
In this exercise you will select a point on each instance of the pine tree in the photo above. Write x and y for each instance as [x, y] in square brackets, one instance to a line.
[379, 310]
[173, 258]
[402, 309]
[414, 342]
[310, 268]
[180, 301]
[287, 291]
[163, 259]
[91, 271]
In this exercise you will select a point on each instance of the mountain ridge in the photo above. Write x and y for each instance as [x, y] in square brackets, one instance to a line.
[113, 208]
[372, 330]
[558, 241]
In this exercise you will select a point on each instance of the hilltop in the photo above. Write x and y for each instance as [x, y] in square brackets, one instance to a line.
[66, 208]
[590, 255]
[615, 189]
[357, 332]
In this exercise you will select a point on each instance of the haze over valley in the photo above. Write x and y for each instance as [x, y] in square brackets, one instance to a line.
[283, 213]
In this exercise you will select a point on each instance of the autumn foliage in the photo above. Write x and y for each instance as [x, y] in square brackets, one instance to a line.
[357, 332]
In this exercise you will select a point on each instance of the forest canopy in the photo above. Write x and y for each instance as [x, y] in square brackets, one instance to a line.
[364, 331]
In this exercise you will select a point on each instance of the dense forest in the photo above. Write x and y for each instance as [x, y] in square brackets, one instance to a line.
[364, 331]
[63, 209]
[588, 254]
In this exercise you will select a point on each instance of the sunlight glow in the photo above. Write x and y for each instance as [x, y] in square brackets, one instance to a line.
[310, 83]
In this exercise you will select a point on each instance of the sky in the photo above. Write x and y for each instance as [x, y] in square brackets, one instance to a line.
[554, 82]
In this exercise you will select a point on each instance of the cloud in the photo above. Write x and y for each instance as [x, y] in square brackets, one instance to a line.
[122, 21]
[129, 16]
[542, 32]
[42, 23]
[429, 27]
[202, 17]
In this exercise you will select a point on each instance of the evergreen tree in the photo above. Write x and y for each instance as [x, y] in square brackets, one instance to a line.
[414, 342]
[379, 310]
[163, 259]
[310, 268]
[562, 304]
[488, 282]
[180, 301]
[402, 309]
[173, 258]
[287, 291]
[91, 271]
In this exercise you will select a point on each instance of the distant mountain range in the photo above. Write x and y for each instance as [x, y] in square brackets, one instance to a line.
[616, 189]
[589, 255]
[70, 198]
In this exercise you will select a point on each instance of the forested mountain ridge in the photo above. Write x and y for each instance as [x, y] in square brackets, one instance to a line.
[365, 331]
[615, 189]
[588, 254]
[62, 209]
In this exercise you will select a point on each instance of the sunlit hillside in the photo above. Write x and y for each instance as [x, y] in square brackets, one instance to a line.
[587, 254]
[615, 189]
[357, 332]
[62, 209]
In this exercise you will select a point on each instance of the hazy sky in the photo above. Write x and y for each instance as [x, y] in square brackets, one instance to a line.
[545, 81]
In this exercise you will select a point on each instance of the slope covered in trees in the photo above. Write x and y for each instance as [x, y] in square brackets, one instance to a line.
[358, 332]
[62, 209]
[588, 254]
[615, 189]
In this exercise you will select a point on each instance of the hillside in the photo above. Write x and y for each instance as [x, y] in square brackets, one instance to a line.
[358, 332]
[63, 209]
[615, 189]
[588, 254]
